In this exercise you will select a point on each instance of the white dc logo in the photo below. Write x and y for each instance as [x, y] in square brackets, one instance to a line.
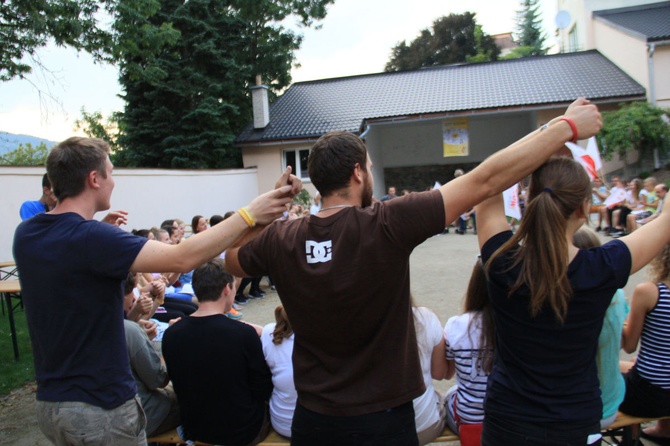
[319, 252]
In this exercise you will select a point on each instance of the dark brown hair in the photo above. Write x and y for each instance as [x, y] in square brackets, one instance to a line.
[477, 301]
[557, 189]
[209, 280]
[332, 161]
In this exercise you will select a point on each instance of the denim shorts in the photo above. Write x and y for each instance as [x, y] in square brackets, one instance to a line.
[73, 423]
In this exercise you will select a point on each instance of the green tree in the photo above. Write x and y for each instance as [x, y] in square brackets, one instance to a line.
[27, 25]
[638, 126]
[186, 111]
[529, 26]
[455, 38]
[95, 126]
[26, 155]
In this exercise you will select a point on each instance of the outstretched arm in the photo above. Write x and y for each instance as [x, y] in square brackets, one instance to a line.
[647, 241]
[491, 219]
[644, 299]
[506, 167]
[197, 249]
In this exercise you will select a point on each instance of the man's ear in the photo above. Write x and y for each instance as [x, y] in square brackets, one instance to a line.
[357, 174]
[92, 179]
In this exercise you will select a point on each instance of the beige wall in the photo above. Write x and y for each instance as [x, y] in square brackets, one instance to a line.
[581, 16]
[149, 195]
[626, 52]
[662, 75]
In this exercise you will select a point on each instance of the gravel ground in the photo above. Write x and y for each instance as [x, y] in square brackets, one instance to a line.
[440, 270]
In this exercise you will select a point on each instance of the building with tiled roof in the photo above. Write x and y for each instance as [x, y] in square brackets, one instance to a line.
[404, 116]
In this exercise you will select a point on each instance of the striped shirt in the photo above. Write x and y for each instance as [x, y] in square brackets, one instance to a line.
[653, 361]
[462, 339]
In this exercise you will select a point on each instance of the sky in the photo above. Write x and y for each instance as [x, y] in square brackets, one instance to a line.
[355, 38]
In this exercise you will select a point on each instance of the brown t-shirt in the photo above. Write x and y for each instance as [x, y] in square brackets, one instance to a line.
[344, 282]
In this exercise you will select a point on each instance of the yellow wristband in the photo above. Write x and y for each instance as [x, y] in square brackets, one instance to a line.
[247, 217]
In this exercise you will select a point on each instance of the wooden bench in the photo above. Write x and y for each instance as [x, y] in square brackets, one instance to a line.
[273, 438]
[625, 426]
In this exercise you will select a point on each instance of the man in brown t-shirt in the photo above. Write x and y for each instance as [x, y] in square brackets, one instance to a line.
[343, 278]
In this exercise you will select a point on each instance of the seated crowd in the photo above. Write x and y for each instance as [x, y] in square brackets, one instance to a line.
[259, 359]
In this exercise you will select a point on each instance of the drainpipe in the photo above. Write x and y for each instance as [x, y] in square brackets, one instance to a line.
[651, 47]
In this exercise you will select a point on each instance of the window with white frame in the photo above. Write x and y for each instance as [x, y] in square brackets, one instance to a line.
[297, 159]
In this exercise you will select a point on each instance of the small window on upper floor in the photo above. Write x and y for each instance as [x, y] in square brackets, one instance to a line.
[297, 159]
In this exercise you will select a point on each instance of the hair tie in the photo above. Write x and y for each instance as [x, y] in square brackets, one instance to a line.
[549, 191]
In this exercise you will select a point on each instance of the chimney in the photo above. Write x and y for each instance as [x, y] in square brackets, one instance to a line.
[260, 104]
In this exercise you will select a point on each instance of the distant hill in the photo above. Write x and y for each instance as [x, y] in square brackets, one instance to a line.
[10, 141]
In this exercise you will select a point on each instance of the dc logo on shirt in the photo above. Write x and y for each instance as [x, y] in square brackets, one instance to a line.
[319, 252]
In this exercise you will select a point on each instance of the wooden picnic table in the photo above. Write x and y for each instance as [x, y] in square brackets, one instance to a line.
[8, 270]
[11, 288]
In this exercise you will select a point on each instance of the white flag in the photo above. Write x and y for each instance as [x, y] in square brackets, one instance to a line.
[511, 198]
[589, 157]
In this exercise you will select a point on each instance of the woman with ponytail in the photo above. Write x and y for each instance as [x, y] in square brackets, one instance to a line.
[549, 299]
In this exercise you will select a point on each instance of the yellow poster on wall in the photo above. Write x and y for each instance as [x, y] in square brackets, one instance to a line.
[455, 137]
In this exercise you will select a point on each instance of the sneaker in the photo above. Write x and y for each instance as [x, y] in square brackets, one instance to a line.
[241, 299]
[237, 306]
[234, 314]
[598, 229]
[255, 295]
[617, 234]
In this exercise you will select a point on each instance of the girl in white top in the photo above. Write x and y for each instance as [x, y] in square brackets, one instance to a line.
[277, 339]
[429, 407]
[469, 349]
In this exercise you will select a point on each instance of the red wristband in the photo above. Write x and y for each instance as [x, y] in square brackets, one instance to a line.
[571, 123]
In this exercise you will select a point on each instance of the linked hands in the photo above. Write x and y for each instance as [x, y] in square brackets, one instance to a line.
[271, 205]
[586, 117]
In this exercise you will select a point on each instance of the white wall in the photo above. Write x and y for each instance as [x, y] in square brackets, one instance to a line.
[149, 195]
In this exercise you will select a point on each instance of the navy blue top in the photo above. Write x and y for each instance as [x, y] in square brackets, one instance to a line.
[71, 273]
[545, 371]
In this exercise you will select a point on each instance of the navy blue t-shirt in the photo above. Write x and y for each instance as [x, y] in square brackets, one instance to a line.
[545, 371]
[71, 273]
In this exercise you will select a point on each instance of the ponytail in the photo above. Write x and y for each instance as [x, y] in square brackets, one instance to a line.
[283, 329]
[539, 247]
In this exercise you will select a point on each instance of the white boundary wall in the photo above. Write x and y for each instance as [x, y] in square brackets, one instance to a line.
[149, 195]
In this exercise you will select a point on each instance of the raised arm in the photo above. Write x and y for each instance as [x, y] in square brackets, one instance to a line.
[644, 299]
[504, 168]
[197, 249]
[647, 241]
[491, 219]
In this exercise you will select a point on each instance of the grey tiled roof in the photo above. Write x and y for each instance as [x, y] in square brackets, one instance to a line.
[310, 109]
[651, 22]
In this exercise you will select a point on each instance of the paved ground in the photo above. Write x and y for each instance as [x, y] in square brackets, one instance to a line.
[440, 270]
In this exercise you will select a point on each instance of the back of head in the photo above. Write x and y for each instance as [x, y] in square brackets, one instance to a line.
[557, 189]
[332, 161]
[45, 181]
[215, 219]
[586, 238]
[283, 327]
[659, 268]
[70, 162]
[209, 280]
[477, 294]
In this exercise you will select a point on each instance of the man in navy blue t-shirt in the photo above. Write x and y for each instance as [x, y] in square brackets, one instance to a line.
[72, 268]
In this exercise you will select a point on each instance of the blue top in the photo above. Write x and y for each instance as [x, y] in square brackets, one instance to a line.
[612, 385]
[545, 371]
[31, 208]
[72, 272]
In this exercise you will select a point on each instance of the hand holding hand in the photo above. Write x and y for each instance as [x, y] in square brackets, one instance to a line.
[144, 304]
[271, 205]
[149, 327]
[586, 117]
[116, 218]
[287, 179]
